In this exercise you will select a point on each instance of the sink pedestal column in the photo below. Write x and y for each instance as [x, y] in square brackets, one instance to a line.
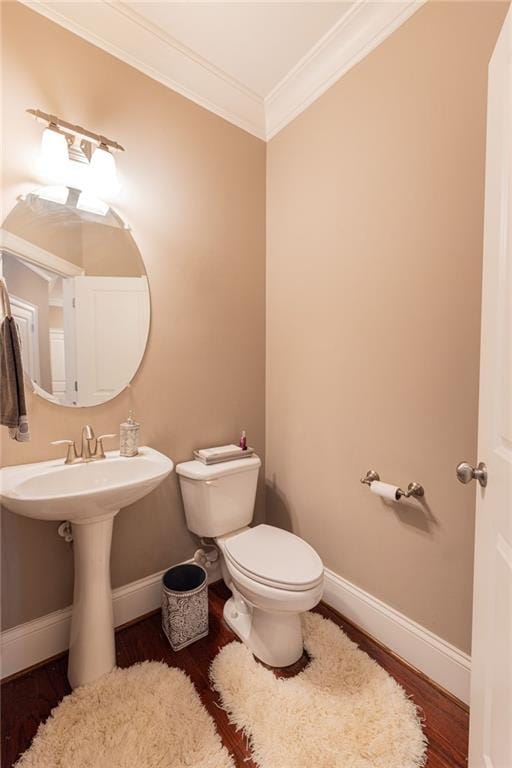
[92, 647]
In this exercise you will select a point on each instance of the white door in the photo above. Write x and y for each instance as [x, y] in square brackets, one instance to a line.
[57, 361]
[111, 319]
[491, 678]
[25, 315]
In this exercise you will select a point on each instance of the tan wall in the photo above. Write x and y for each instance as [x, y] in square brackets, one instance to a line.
[374, 215]
[194, 194]
[375, 200]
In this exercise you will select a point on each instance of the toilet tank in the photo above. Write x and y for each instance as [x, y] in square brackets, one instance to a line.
[218, 498]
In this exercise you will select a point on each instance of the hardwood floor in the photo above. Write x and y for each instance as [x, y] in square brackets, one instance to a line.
[28, 699]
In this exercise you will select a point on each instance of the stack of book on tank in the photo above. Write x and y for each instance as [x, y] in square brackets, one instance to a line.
[222, 453]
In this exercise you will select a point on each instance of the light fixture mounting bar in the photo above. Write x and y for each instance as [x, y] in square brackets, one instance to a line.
[75, 129]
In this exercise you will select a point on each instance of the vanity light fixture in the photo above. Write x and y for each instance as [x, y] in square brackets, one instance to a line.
[72, 198]
[74, 156]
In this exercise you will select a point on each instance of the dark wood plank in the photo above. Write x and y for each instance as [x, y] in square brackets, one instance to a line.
[28, 699]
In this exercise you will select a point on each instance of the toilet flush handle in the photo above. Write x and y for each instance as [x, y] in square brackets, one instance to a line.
[211, 482]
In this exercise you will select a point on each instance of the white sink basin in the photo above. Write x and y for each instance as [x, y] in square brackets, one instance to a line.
[52, 490]
[89, 495]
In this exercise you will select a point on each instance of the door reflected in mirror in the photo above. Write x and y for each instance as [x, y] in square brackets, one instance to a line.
[79, 294]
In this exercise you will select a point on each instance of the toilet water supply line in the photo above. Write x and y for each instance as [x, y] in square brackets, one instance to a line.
[207, 555]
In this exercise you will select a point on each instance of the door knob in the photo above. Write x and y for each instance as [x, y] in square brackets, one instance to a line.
[466, 473]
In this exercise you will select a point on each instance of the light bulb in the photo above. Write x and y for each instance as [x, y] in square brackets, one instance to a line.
[54, 154]
[103, 176]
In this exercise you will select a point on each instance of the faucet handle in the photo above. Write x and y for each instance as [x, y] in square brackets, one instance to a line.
[71, 454]
[99, 452]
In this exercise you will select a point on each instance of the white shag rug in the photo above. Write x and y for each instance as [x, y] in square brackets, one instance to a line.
[342, 711]
[146, 716]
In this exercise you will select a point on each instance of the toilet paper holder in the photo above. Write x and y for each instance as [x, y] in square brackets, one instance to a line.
[413, 489]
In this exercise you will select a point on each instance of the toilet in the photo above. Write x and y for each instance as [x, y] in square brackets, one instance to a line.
[273, 575]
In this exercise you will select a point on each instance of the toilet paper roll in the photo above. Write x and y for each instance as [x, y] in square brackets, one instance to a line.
[386, 490]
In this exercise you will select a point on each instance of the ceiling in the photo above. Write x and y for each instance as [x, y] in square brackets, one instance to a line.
[257, 64]
[245, 40]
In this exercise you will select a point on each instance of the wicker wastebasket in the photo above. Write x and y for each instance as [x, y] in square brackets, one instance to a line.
[185, 604]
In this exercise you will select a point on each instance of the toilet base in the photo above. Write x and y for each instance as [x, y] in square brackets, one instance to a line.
[273, 637]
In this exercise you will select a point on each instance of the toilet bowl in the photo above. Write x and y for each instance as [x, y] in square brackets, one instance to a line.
[273, 575]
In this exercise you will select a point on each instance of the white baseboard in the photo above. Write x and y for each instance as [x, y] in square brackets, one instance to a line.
[441, 662]
[40, 639]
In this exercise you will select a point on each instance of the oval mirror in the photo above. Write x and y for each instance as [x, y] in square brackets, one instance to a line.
[79, 293]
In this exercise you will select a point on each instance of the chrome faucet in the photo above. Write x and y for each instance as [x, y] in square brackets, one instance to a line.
[91, 448]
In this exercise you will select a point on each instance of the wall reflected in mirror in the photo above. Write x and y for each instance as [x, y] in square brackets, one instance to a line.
[79, 294]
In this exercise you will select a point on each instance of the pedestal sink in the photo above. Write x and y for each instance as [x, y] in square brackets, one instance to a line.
[89, 495]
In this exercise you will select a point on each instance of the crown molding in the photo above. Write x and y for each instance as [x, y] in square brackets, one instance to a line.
[354, 36]
[118, 30]
[122, 32]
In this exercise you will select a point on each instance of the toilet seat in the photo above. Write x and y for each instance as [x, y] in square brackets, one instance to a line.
[275, 558]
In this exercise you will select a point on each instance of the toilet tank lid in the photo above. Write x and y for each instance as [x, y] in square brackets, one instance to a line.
[196, 470]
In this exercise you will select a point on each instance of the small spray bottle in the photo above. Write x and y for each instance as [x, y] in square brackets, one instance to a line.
[243, 441]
